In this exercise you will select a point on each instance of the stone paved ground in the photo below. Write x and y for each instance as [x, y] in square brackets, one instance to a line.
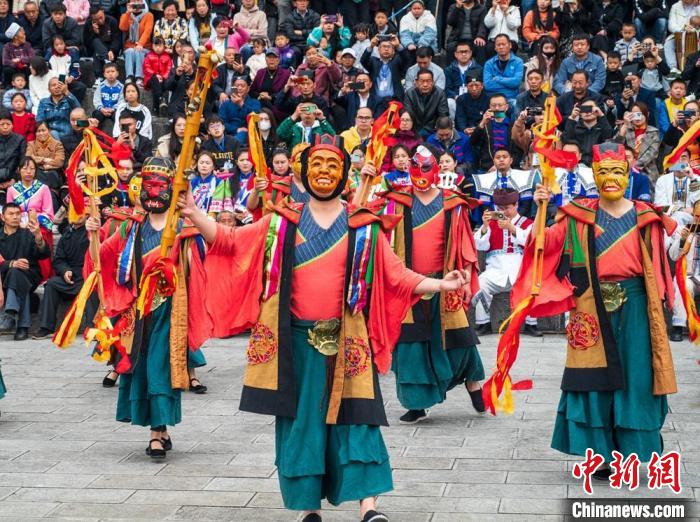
[63, 456]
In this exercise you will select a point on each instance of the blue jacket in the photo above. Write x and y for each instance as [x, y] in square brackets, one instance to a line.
[454, 79]
[234, 116]
[506, 82]
[459, 146]
[594, 66]
[57, 115]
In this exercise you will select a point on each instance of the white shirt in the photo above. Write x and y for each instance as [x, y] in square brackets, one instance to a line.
[501, 268]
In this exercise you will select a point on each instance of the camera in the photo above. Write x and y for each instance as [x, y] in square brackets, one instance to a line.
[385, 37]
[298, 80]
[310, 108]
[138, 7]
[585, 109]
[498, 215]
[685, 114]
[534, 111]
[356, 86]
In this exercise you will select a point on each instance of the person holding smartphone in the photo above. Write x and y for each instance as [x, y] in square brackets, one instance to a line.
[588, 126]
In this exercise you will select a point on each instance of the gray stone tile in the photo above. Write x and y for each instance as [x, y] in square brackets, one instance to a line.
[192, 498]
[178, 483]
[116, 512]
[37, 494]
[16, 510]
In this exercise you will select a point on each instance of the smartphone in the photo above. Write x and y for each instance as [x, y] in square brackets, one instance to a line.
[331, 19]
[585, 109]
[82, 124]
[138, 7]
[124, 127]
[299, 80]
[62, 78]
[356, 86]
[237, 58]
[628, 84]
[310, 108]
[534, 111]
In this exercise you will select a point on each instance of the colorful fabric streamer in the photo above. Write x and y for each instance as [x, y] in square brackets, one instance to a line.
[66, 333]
[273, 255]
[159, 276]
[688, 300]
[362, 267]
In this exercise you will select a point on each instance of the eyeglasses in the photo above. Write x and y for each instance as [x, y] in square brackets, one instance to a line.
[363, 117]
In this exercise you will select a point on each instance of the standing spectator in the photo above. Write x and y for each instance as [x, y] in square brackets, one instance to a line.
[299, 24]
[330, 36]
[326, 73]
[23, 122]
[546, 60]
[503, 73]
[633, 92]
[201, 25]
[108, 94]
[418, 28]
[67, 68]
[156, 69]
[460, 70]
[636, 133]
[19, 85]
[7, 19]
[587, 126]
[269, 81]
[492, 133]
[49, 155]
[16, 53]
[361, 132]
[650, 18]
[301, 127]
[138, 27]
[426, 103]
[471, 106]
[464, 18]
[32, 24]
[12, 149]
[254, 21]
[39, 78]
[102, 39]
[171, 27]
[580, 91]
[132, 104]
[61, 25]
[581, 59]
[539, 22]
[502, 19]
[387, 69]
[235, 110]
[424, 60]
[55, 109]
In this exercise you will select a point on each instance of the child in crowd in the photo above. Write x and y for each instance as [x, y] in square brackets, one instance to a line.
[613, 75]
[156, 68]
[627, 46]
[108, 94]
[63, 64]
[653, 75]
[288, 58]
[257, 60]
[362, 41]
[19, 84]
[23, 122]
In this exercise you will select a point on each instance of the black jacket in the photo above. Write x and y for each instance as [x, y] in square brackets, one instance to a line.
[647, 14]
[110, 35]
[70, 142]
[4, 24]
[691, 73]
[33, 33]
[397, 65]
[351, 103]
[426, 108]
[482, 145]
[585, 137]
[70, 252]
[229, 152]
[219, 84]
[21, 245]
[12, 149]
[470, 110]
[70, 32]
[456, 19]
[296, 22]
[566, 102]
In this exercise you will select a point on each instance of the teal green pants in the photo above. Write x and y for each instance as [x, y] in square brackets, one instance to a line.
[146, 397]
[628, 420]
[425, 372]
[3, 389]
[316, 460]
[196, 359]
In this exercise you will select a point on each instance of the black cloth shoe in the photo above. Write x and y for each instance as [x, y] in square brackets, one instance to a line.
[413, 416]
[167, 443]
[375, 516]
[602, 474]
[532, 331]
[477, 399]
[676, 334]
[198, 388]
[155, 453]
[42, 333]
[21, 334]
[483, 329]
[312, 517]
[109, 383]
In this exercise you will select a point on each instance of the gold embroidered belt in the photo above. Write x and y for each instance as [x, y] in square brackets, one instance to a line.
[613, 295]
[324, 336]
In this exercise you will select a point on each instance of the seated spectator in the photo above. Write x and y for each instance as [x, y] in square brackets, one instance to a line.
[459, 71]
[540, 21]
[387, 69]
[109, 93]
[254, 21]
[503, 73]
[211, 193]
[679, 126]
[21, 249]
[234, 111]
[34, 199]
[140, 145]
[48, 154]
[534, 96]
[201, 24]
[137, 26]
[16, 53]
[299, 24]
[170, 145]
[132, 104]
[502, 236]
[426, 103]
[637, 133]
[587, 126]
[396, 172]
[223, 147]
[464, 19]
[492, 133]
[354, 99]
[269, 80]
[301, 127]
[32, 23]
[256, 61]
[227, 72]
[546, 60]
[614, 78]
[267, 126]
[228, 35]
[66, 67]
[156, 69]
[447, 139]
[424, 60]
[64, 26]
[171, 28]
[654, 74]
[78, 123]
[382, 24]
[627, 46]
[684, 16]
[6, 21]
[471, 106]
[346, 60]
[418, 28]
[638, 187]
[633, 92]
[68, 266]
[361, 34]
[668, 110]
[407, 136]
[579, 91]
[101, 38]
[361, 132]
[326, 73]
[23, 122]
[330, 36]
[12, 149]
[651, 17]
[676, 189]
[502, 19]
[286, 103]
[581, 59]
[56, 108]
[288, 58]
[39, 81]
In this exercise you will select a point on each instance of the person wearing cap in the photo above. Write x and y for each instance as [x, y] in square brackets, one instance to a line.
[347, 64]
[61, 25]
[236, 109]
[471, 106]
[269, 81]
[633, 92]
[502, 236]
[16, 53]
[418, 28]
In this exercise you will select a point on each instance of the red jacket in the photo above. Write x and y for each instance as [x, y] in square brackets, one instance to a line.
[24, 125]
[155, 64]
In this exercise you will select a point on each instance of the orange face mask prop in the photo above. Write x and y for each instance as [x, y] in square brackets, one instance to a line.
[610, 170]
[324, 170]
